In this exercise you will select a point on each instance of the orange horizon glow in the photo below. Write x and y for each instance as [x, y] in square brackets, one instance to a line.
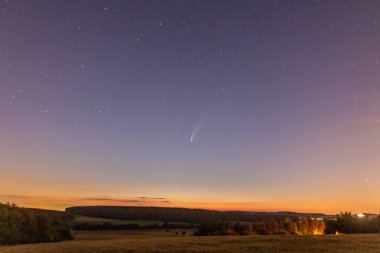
[60, 203]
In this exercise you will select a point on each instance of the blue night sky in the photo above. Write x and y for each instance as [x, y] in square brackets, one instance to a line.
[252, 105]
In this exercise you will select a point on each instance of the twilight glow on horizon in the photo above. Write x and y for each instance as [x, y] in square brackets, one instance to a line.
[232, 105]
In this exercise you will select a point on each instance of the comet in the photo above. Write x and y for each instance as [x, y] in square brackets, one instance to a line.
[195, 131]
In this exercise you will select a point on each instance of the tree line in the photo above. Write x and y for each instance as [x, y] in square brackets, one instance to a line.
[286, 226]
[130, 226]
[346, 223]
[22, 225]
[343, 223]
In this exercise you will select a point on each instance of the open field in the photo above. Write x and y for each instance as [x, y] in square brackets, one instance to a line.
[160, 241]
[93, 220]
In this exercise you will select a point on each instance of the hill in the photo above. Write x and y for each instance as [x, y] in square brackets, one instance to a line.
[181, 214]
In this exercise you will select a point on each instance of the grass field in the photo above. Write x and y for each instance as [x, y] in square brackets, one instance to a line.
[93, 220]
[161, 241]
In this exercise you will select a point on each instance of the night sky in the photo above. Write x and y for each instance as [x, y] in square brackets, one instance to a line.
[250, 105]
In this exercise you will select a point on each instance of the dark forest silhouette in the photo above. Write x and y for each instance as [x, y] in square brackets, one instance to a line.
[22, 225]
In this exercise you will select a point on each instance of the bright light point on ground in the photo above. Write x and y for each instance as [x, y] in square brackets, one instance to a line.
[360, 215]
